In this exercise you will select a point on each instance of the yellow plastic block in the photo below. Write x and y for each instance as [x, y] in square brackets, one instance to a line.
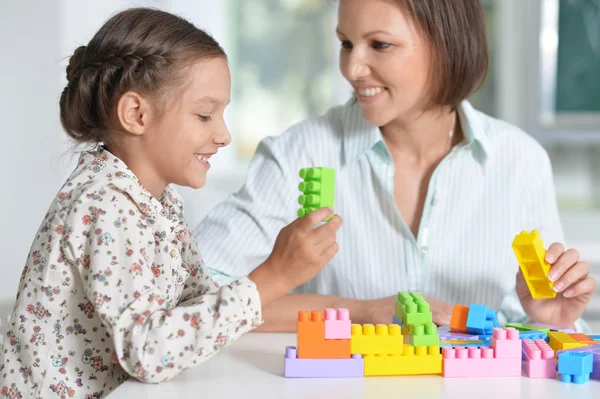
[376, 340]
[530, 252]
[561, 340]
[413, 361]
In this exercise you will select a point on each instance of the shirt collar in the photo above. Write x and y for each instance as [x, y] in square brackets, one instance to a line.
[360, 137]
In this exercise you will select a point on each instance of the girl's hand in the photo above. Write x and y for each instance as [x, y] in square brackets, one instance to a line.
[572, 283]
[300, 252]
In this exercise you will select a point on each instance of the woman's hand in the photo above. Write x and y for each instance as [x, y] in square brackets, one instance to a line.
[380, 311]
[572, 283]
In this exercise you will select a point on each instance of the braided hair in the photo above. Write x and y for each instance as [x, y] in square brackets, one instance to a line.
[139, 49]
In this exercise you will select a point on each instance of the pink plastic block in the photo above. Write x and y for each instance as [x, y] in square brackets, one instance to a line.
[322, 368]
[499, 360]
[506, 343]
[337, 324]
[538, 359]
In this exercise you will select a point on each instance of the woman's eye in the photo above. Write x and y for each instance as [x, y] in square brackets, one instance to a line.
[380, 45]
[204, 118]
[346, 44]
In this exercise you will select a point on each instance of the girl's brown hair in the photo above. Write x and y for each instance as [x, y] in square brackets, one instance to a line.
[456, 32]
[139, 49]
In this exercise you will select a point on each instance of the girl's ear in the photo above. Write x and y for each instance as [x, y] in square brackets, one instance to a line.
[133, 112]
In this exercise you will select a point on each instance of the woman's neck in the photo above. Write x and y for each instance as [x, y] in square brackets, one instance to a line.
[423, 136]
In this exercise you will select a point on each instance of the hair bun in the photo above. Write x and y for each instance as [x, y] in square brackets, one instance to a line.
[76, 63]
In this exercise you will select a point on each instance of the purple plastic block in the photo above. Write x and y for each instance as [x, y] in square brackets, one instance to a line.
[595, 351]
[552, 328]
[322, 368]
[447, 335]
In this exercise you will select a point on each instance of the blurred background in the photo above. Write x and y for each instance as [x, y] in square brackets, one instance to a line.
[544, 77]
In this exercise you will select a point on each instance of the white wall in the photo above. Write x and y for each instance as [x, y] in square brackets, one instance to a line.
[36, 39]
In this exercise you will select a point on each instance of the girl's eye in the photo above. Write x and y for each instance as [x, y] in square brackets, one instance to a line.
[204, 118]
[380, 45]
[346, 44]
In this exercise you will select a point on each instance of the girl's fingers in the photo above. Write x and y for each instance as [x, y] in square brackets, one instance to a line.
[574, 274]
[563, 263]
[585, 286]
[554, 252]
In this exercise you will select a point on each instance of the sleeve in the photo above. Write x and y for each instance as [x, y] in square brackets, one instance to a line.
[155, 337]
[537, 209]
[250, 219]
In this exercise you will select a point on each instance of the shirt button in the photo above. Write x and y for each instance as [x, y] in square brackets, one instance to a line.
[424, 249]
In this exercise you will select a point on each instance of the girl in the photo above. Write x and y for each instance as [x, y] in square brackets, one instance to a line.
[114, 285]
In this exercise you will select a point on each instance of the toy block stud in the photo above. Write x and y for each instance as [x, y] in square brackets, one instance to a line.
[533, 335]
[318, 189]
[506, 343]
[530, 252]
[481, 320]
[321, 368]
[416, 313]
[311, 339]
[376, 340]
[337, 324]
[458, 322]
[421, 334]
[575, 366]
[538, 359]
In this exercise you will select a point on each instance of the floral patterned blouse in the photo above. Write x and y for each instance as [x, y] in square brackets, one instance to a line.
[114, 286]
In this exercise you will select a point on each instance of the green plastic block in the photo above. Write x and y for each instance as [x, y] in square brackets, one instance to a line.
[318, 189]
[525, 327]
[416, 313]
[421, 334]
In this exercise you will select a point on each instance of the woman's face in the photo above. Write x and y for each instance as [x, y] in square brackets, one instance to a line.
[385, 58]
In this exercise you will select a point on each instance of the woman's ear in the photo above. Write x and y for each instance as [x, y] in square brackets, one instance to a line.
[133, 112]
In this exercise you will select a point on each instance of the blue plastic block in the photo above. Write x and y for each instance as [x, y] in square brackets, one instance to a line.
[533, 335]
[575, 366]
[395, 320]
[595, 337]
[481, 320]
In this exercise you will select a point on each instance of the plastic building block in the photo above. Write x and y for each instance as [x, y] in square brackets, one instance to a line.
[496, 361]
[595, 351]
[506, 343]
[376, 340]
[311, 339]
[538, 359]
[421, 334]
[413, 361]
[465, 343]
[396, 320]
[322, 368]
[530, 252]
[318, 189]
[526, 327]
[337, 324]
[559, 340]
[481, 320]
[411, 308]
[582, 338]
[544, 327]
[575, 366]
[595, 337]
[445, 334]
[458, 322]
[533, 335]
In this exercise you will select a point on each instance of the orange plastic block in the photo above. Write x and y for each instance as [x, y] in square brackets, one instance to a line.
[458, 322]
[311, 339]
[530, 252]
[583, 338]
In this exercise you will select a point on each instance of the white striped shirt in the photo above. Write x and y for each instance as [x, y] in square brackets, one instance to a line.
[494, 184]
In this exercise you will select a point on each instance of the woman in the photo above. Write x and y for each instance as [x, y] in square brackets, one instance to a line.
[432, 192]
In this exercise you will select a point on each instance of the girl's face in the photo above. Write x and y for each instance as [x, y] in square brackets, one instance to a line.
[384, 57]
[181, 141]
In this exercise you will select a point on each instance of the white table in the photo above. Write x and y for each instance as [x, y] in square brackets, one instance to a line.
[253, 368]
